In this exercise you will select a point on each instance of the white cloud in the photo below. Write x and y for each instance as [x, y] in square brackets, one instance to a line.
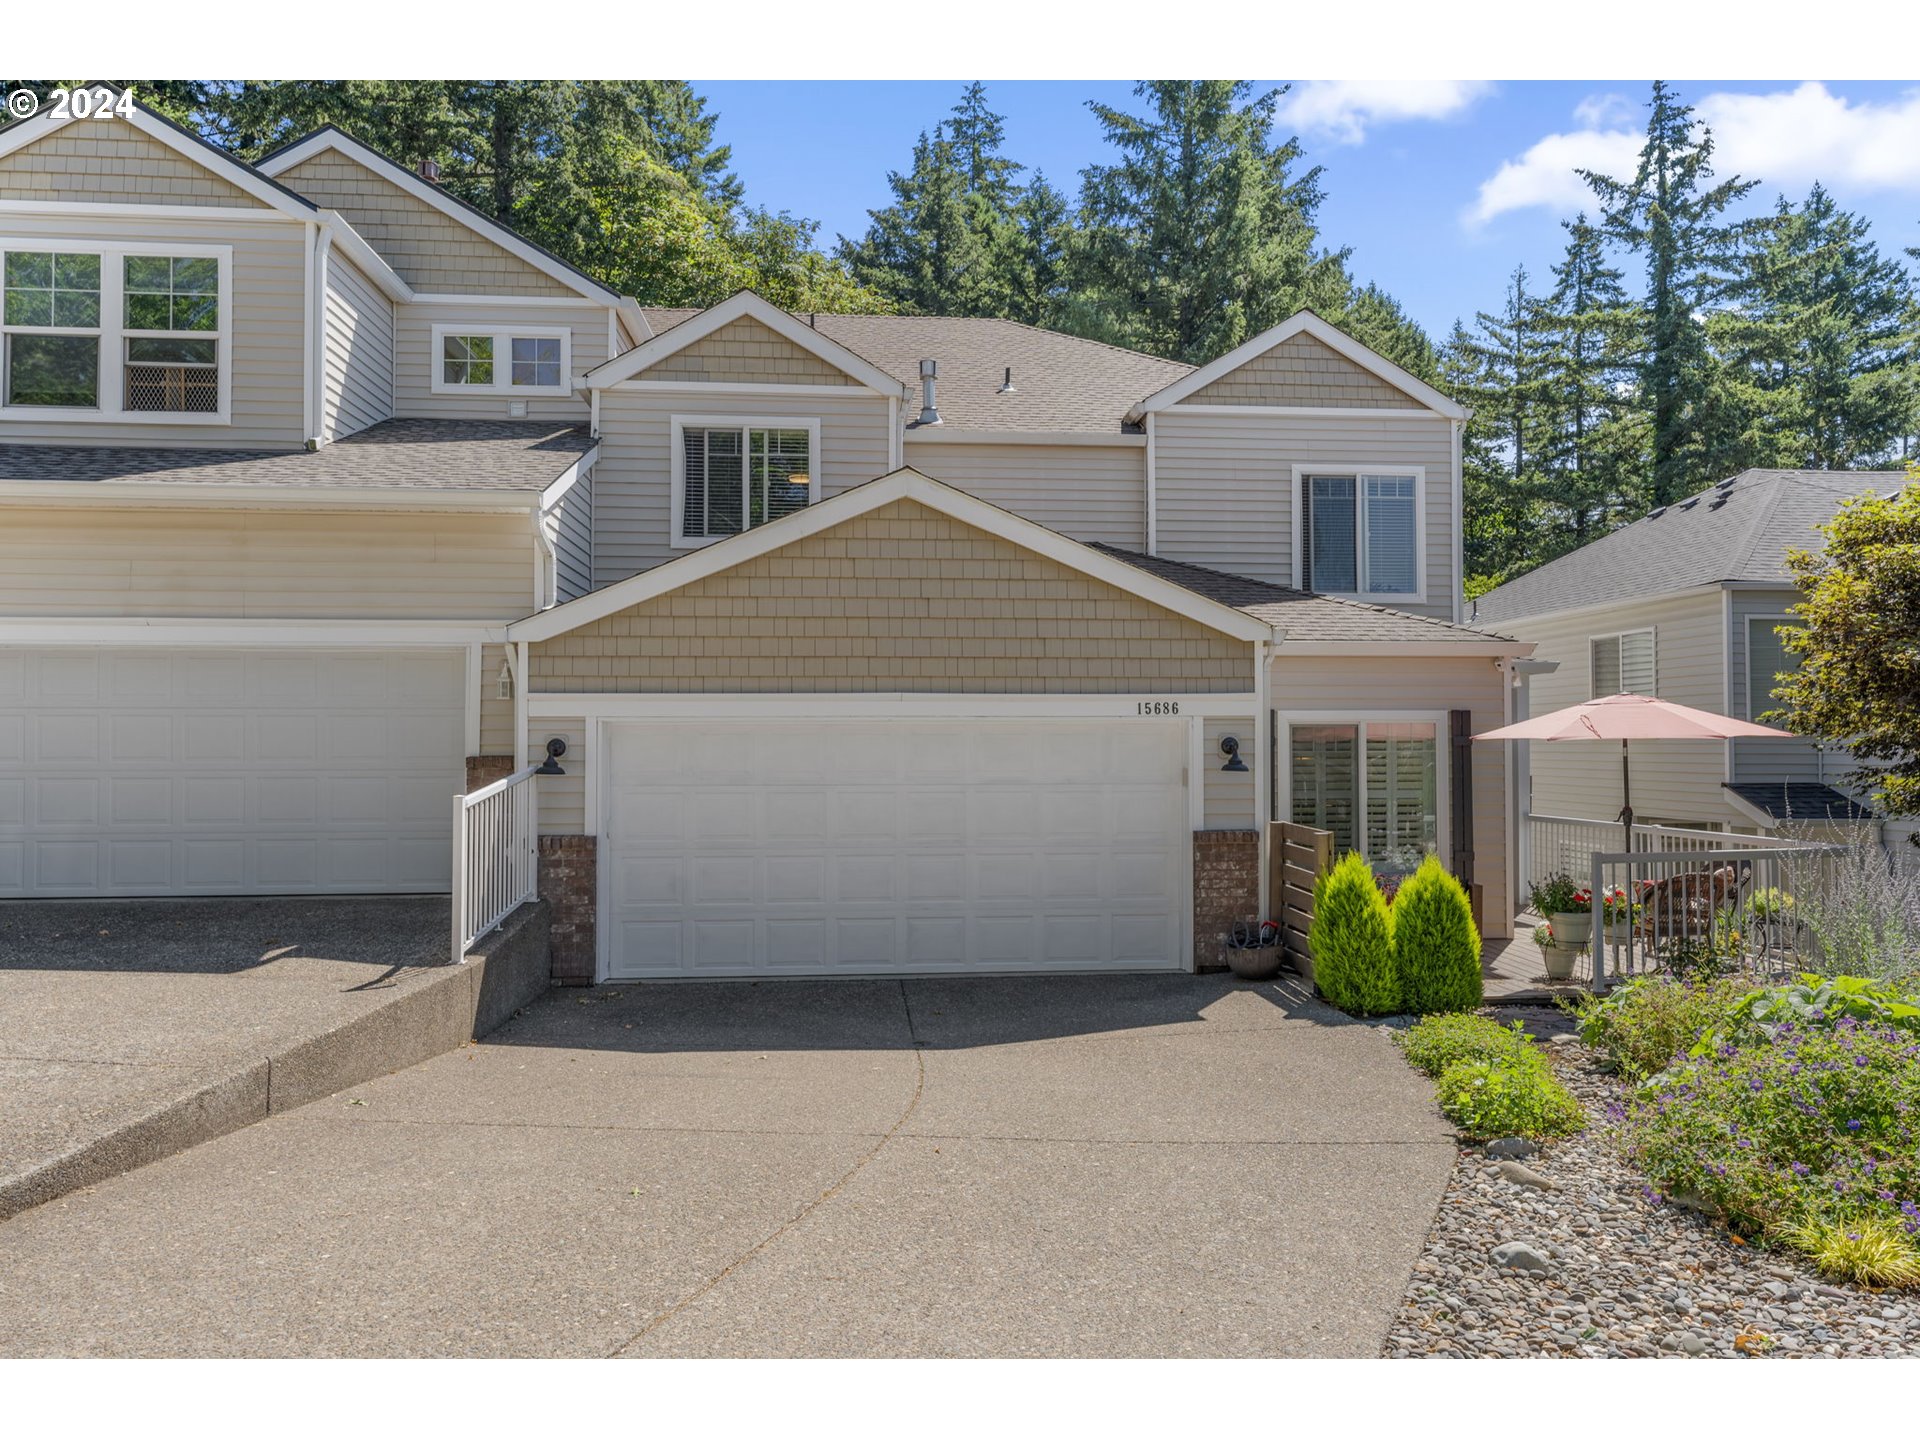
[1609, 111]
[1342, 110]
[1787, 138]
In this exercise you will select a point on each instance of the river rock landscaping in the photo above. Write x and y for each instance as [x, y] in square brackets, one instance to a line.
[1561, 1248]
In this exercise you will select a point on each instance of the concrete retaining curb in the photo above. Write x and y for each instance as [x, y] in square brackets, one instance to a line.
[454, 1005]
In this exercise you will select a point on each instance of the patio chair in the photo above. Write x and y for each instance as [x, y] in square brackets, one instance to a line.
[1682, 907]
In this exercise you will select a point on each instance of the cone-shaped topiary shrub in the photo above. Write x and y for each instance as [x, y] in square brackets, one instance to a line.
[1352, 940]
[1436, 946]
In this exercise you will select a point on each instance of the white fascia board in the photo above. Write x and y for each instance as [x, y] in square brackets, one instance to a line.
[332, 139]
[1711, 588]
[151, 494]
[948, 436]
[133, 210]
[748, 305]
[354, 246]
[508, 302]
[1302, 321]
[1374, 649]
[594, 705]
[903, 484]
[209, 158]
[634, 320]
[550, 496]
[171, 631]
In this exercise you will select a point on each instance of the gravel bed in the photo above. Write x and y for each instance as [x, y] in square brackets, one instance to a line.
[1623, 1276]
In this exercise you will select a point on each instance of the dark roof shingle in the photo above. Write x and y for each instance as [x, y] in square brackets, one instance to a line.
[1799, 800]
[503, 455]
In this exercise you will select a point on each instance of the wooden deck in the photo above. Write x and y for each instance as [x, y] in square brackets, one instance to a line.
[1514, 973]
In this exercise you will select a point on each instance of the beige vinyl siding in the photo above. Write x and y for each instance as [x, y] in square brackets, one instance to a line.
[744, 351]
[496, 714]
[95, 560]
[569, 528]
[267, 329]
[431, 251]
[902, 598]
[108, 161]
[1302, 370]
[1776, 760]
[415, 358]
[1368, 688]
[357, 378]
[1093, 493]
[1228, 796]
[1226, 488]
[633, 496]
[1673, 780]
[563, 798]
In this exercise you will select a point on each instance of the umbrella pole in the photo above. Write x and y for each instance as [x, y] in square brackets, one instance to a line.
[1626, 798]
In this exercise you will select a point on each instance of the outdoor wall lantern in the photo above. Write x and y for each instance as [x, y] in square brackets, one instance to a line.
[556, 747]
[1230, 747]
[506, 680]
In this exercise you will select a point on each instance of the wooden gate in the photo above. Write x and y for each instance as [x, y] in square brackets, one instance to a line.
[1297, 855]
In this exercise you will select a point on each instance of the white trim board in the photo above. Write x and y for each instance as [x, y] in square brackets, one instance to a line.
[1131, 440]
[745, 305]
[167, 630]
[903, 484]
[329, 138]
[592, 706]
[1308, 323]
[159, 494]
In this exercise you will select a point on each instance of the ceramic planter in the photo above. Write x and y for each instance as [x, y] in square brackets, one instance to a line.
[1254, 962]
[1559, 961]
[1572, 930]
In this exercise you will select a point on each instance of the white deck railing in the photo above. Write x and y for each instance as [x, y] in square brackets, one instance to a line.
[496, 855]
[1560, 844]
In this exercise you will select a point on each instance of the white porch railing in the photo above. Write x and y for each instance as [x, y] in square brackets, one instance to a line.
[1560, 844]
[496, 855]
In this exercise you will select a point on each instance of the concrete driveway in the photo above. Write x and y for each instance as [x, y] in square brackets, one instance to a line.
[1076, 1166]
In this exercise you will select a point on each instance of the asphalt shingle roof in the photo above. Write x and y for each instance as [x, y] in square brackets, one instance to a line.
[1060, 382]
[395, 454]
[1741, 529]
[1301, 613]
[1799, 800]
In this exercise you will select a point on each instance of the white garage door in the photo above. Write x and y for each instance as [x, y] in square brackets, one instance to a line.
[225, 772]
[786, 846]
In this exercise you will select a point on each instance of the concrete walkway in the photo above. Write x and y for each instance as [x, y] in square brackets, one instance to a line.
[1138, 1165]
[130, 1030]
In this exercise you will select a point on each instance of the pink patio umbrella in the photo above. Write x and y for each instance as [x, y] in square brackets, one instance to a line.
[1627, 718]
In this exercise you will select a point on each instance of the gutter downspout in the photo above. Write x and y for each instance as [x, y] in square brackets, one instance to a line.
[546, 562]
[307, 335]
[1459, 524]
[1153, 498]
[1263, 758]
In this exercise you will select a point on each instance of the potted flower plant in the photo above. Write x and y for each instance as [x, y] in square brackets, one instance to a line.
[1618, 914]
[1568, 908]
[1558, 958]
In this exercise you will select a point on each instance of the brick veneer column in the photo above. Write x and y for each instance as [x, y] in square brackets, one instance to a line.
[567, 883]
[1226, 889]
[485, 769]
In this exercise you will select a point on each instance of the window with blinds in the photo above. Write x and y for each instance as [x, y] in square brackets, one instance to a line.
[1361, 534]
[1374, 784]
[733, 479]
[1767, 660]
[1622, 664]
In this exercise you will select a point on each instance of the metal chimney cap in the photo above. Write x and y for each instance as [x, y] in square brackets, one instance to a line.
[929, 369]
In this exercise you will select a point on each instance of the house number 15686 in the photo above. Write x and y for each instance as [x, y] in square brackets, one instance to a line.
[1158, 707]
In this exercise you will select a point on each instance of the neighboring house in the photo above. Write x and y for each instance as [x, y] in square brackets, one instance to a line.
[1686, 603]
[323, 496]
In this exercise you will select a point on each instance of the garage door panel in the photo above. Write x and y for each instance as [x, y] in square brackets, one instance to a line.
[894, 846]
[158, 771]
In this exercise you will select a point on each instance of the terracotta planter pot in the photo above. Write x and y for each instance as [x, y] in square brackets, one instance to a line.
[1572, 930]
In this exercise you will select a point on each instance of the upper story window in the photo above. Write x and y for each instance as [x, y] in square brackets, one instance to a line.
[1360, 533]
[493, 360]
[1621, 664]
[115, 333]
[731, 474]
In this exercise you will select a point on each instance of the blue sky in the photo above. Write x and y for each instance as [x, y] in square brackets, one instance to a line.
[1440, 187]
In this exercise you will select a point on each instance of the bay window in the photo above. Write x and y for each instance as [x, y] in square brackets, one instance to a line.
[515, 360]
[114, 332]
[733, 474]
[1375, 784]
[1360, 532]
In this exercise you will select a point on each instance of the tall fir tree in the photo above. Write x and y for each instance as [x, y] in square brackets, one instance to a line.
[1497, 524]
[1672, 213]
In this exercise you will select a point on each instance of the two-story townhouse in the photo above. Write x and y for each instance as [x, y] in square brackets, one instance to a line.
[877, 643]
[1686, 603]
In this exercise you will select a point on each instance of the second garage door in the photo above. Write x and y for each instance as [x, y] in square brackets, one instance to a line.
[804, 846]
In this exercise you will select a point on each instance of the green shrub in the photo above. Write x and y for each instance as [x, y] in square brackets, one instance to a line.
[1817, 1002]
[1352, 940]
[1441, 1041]
[1811, 1138]
[1510, 1095]
[1644, 1024]
[1436, 945]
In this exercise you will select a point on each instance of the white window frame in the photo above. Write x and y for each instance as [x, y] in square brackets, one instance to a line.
[113, 334]
[1282, 799]
[1298, 504]
[503, 336]
[677, 461]
[1746, 642]
[1653, 648]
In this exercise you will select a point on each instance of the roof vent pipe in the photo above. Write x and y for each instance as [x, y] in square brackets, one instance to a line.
[430, 171]
[1007, 386]
[929, 413]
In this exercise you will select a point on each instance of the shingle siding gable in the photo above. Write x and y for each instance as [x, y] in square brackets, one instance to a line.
[110, 162]
[1302, 371]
